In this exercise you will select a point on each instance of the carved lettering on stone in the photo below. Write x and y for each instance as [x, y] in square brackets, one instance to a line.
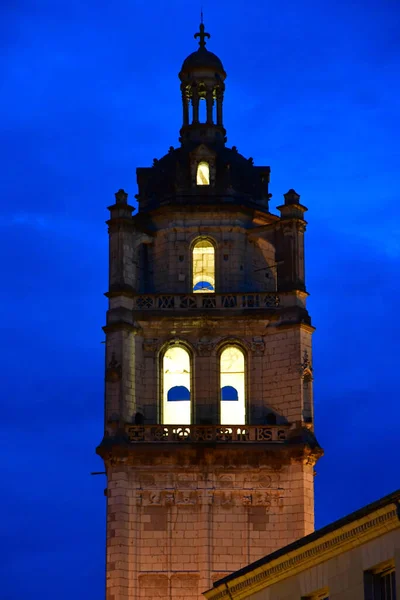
[154, 498]
[169, 498]
[247, 499]
[186, 498]
[224, 499]
[262, 499]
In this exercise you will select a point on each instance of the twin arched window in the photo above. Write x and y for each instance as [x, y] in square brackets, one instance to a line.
[176, 386]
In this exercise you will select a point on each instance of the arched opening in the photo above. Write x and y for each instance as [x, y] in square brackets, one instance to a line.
[176, 386]
[232, 384]
[202, 110]
[203, 172]
[203, 266]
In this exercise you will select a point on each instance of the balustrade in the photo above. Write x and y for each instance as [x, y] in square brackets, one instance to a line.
[252, 300]
[207, 433]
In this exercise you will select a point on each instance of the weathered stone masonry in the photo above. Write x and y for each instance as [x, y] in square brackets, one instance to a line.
[187, 503]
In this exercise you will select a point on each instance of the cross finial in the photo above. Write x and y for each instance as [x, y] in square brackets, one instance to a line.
[202, 34]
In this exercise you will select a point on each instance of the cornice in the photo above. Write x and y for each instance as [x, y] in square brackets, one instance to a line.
[324, 548]
[121, 326]
[126, 292]
[118, 450]
[303, 326]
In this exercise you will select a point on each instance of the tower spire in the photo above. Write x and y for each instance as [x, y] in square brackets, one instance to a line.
[202, 34]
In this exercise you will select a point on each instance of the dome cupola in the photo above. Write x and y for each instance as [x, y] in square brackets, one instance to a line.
[202, 80]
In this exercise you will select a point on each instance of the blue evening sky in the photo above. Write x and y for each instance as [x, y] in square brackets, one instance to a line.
[89, 91]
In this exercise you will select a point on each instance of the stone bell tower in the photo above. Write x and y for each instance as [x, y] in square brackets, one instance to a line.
[208, 446]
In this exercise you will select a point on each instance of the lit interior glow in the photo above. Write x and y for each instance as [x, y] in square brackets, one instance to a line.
[176, 386]
[203, 267]
[203, 173]
[233, 410]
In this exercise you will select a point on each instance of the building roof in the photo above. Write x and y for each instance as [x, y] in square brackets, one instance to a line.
[382, 503]
[203, 58]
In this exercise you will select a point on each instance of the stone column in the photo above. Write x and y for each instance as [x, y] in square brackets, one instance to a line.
[195, 104]
[220, 97]
[210, 102]
[185, 105]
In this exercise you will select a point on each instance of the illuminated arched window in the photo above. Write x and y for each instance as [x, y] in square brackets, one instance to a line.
[203, 267]
[203, 173]
[176, 386]
[232, 384]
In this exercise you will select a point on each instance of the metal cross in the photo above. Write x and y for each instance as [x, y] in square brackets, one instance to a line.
[202, 35]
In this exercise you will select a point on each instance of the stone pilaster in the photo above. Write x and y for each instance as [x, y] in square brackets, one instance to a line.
[290, 250]
[122, 266]
[119, 534]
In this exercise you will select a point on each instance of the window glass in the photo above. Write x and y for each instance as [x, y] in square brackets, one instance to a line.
[232, 383]
[203, 267]
[176, 386]
[203, 173]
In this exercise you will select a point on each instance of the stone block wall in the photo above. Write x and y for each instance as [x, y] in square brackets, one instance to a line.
[274, 357]
[244, 261]
[180, 519]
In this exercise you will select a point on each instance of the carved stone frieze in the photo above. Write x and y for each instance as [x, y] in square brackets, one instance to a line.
[306, 366]
[169, 498]
[226, 481]
[261, 499]
[241, 498]
[264, 481]
[186, 480]
[257, 481]
[186, 498]
[225, 499]
[146, 480]
[153, 498]
[114, 370]
[258, 346]
[156, 480]
[205, 348]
